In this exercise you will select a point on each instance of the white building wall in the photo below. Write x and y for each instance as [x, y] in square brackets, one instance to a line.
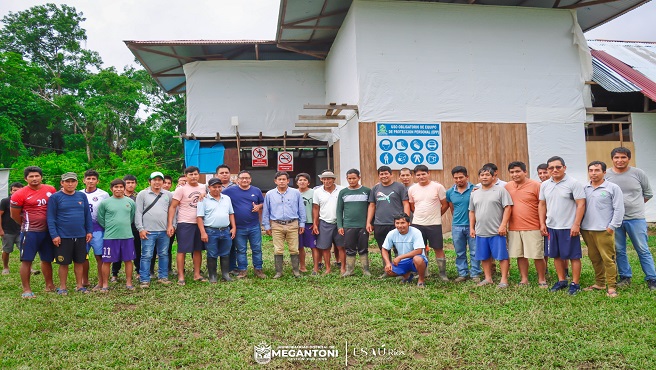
[342, 87]
[644, 136]
[426, 62]
[267, 96]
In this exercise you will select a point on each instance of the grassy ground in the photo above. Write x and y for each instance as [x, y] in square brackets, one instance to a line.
[447, 325]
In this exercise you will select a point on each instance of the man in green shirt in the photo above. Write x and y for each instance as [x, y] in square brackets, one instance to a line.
[352, 205]
[115, 215]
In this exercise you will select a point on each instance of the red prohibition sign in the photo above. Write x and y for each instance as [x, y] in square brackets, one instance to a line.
[285, 158]
[259, 152]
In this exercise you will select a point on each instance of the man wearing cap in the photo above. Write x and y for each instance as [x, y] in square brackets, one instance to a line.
[216, 222]
[70, 227]
[324, 214]
[283, 217]
[151, 217]
[29, 208]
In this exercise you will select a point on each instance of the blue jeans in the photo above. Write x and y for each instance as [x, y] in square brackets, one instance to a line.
[218, 242]
[253, 236]
[157, 240]
[233, 254]
[461, 238]
[637, 230]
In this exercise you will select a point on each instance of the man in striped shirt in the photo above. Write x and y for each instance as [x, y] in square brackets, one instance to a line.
[352, 205]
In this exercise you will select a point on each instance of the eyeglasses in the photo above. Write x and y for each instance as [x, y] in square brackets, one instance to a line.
[555, 168]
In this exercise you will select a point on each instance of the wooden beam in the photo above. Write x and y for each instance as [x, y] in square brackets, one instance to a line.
[610, 113]
[596, 109]
[327, 106]
[320, 118]
[302, 124]
[607, 122]
[317, 131]
[217, 137]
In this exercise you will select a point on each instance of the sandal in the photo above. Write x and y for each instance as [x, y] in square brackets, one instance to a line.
[129, 287]
[201, 280]
[408, 280]
[96, 288]
[181, 283]
[543, 285]
[592, 288]
[83, 290]
[62, 292]
[522, 284]
[484, 283]
[502, 285]
[104, 290]
[28, 295]
[421, 285]
[611, 294]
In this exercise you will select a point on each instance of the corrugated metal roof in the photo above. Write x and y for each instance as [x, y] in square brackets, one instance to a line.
[640, 56]
[646, 85]
[610, 80]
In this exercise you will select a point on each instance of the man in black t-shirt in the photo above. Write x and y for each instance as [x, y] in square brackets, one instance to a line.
[9, 229]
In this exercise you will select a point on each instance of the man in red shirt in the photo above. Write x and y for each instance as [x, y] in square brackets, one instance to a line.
[28, 208]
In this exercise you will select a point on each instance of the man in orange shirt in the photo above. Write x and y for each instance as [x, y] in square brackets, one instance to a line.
[525, 240]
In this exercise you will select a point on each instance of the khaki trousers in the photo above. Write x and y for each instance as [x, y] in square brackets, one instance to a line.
[601, 250]
[284, 233]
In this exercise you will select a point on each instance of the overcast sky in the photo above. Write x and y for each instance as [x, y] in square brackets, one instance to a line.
[109, 22]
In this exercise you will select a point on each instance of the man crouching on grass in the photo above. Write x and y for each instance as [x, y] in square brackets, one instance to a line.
[410, 245]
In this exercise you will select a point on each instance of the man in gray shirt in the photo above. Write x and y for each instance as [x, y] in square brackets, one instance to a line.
[151, 220]
[489, 212]
[636, 190]
[561, 209]
[603, 214]
[387, 199]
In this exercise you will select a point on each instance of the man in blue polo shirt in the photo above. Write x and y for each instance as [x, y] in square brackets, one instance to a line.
[458, 199]
[409, 243]
[70, 227]
[216, 222]
[247, 203]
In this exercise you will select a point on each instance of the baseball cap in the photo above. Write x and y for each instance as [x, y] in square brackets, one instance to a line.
[69, 176]
[156, 174]
[213, 181]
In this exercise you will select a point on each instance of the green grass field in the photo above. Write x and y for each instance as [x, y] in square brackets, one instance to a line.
[446, 325]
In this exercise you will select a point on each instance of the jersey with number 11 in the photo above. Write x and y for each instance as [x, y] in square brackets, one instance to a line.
[34, 204]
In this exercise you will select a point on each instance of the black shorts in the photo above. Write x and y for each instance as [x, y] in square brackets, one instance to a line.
[432, 235]
[71, 250]
[188, 238]
[380, 233]
[356, 241]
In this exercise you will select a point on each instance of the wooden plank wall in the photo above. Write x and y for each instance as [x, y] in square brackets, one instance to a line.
[463, 144]
[600, 151]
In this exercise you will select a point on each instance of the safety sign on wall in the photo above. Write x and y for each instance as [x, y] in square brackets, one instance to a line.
[405, 144]
[259, 157]
[285, 161]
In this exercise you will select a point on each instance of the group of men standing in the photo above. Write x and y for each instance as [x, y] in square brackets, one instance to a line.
[522, 219]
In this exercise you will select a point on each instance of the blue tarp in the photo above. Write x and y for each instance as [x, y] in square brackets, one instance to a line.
[205, 158]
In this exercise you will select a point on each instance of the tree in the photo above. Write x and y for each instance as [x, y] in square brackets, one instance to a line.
[50, 38]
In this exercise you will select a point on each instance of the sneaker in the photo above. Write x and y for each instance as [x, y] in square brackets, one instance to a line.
[408, 280]
[461, 279]
[624, 282]
[241, 274]
[476, 279]
[651, 284]
[234, 272]
[113, 279]
[5, 272]
[164, 281]
[558, 286]
[144, 285]
[35, 272]
[574, 288]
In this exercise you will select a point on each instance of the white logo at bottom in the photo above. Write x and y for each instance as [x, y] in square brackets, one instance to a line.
[262, 353]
